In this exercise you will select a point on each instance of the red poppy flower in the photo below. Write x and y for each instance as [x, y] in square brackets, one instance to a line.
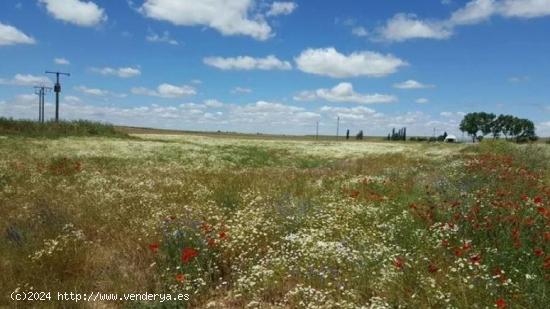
[475, 259]
[524, 197]
[458, 252]
[206, 228]
[542, 210]
[538, 200]
[539, 252]
[154, 247]
[467, 246]
[500, 303]
[180, 278]
[398, 263]
[223, 235]
[432, 268]
[211, 242]
[187, 254]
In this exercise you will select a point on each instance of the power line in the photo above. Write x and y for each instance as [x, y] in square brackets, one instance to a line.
[57, 90]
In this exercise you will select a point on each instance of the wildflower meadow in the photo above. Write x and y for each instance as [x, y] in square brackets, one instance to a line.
[241, 222]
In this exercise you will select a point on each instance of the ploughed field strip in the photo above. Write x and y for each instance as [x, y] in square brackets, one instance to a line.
[286, 223]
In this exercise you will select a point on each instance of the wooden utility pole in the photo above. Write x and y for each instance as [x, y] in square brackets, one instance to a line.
[337, 127]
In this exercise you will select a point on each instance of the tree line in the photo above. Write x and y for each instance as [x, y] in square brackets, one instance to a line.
[479, 125]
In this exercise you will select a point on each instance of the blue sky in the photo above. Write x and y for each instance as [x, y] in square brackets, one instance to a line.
[279, 66]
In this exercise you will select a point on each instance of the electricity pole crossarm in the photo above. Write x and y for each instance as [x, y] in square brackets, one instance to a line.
[57, 90]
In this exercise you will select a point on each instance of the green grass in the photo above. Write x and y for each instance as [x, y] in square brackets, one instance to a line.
[53, 129]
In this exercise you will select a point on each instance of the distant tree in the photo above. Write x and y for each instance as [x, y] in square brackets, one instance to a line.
[496, 127]
[470, 125]
[347, 134]
[485, 122]
[400, 135]
[522, 130]
[506, 123]
[359, 135]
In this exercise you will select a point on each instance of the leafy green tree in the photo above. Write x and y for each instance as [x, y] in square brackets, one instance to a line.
[524, 130]
[506, 125]
[485, 122]
[496, 126]
[470, 125]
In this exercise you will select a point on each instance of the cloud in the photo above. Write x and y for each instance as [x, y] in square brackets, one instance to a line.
[92, 91]
[281, 8]
[403, 27]
[227, 17]
[248, 63]
[10, 35]
[422, 101]
[525, 8]
[213, 103]
[359, 31]
[474, 12]
[99, 92]
[412, 84]
[167, 91]
[343, 92]
[164, 38]
[80, 13]
[452, 114]
[271, 114]
[329, 62]
[26, 80]
[237, 90]
[518, 79]
[120, 72]
[354, 113]
[61, 61]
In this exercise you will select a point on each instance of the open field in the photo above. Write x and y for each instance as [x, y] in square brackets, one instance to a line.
[242, 222]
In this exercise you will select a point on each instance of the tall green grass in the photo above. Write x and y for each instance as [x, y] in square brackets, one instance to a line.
[50, 129]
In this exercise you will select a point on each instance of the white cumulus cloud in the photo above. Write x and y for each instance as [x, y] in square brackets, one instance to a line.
[166, 91]
[248, 63]
[281, 8]
[412, 84]
[330, 62]
[407, 26]
[26, 80]
[10, 35]
[80, 13]
[61, 61]
[343, 92]
[241, 90]
[227, 17]
[161, 38]
[126, 72]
